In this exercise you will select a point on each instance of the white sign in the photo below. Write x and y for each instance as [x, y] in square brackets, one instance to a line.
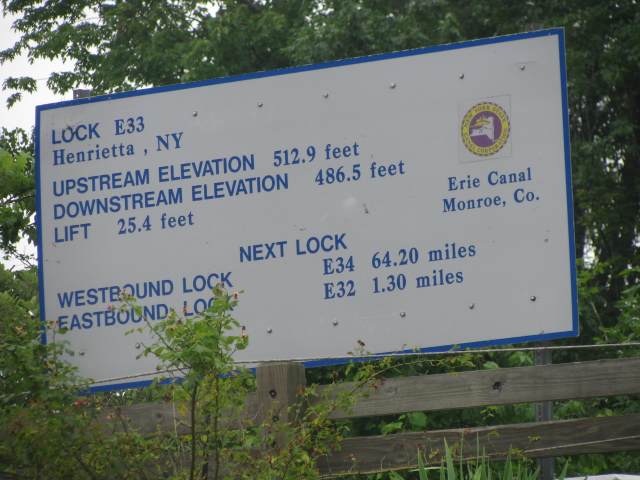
[419, 199]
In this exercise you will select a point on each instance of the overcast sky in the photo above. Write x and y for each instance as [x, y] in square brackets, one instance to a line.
[23, 114]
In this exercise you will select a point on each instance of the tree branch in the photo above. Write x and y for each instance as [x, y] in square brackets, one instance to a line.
[252, 6]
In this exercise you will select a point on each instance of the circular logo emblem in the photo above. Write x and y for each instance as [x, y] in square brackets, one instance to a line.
[485, 129]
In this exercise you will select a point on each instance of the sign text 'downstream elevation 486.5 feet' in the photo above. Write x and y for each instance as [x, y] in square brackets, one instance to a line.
[414, 200]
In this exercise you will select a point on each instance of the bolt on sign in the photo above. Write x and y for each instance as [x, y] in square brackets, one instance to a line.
[412, 200]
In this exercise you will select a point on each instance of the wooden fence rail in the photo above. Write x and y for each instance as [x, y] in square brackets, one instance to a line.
[430, 393]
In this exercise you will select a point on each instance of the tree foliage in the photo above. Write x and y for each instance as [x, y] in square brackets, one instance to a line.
[17, 190]
[120, 45]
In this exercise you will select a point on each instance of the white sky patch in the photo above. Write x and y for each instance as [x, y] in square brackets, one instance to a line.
[23, 114]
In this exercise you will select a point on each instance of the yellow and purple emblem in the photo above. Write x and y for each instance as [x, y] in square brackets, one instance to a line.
[485, 129]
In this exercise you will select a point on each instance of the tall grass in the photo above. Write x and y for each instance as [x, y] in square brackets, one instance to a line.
[482, 470]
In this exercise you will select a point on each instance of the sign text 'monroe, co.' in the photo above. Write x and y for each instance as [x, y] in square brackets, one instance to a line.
[409, 201]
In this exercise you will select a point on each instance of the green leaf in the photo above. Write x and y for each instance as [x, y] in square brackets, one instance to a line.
[418, 419]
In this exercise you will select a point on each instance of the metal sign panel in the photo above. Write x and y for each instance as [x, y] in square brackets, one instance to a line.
[414, 200]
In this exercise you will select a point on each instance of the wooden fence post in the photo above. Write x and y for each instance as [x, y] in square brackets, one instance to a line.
[544, 410]
[278, 385]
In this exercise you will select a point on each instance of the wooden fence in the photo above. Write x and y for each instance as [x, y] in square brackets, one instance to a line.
[431, 393]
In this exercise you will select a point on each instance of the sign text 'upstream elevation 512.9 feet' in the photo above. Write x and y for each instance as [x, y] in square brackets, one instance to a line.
[419, 199]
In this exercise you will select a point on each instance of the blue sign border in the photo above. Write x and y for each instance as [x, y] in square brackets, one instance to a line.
[558, 32]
